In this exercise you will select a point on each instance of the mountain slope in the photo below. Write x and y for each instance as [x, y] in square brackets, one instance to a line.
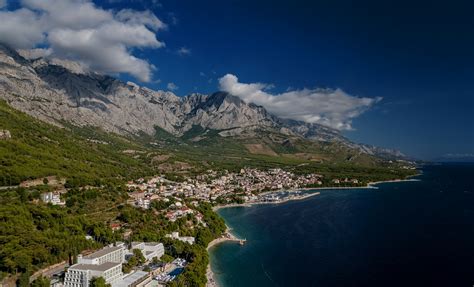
[54, 93]
[35, 149]
[58, 92]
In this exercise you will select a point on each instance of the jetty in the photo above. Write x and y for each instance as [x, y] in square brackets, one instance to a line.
[227, 237]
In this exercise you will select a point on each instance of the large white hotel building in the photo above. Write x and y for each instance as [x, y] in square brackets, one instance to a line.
[106, 263]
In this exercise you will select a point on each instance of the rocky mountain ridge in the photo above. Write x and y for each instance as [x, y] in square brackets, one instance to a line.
[55, 91]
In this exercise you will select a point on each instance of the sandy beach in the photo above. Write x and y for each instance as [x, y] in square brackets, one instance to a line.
[211, 282]
[228, 236]
[389, 181]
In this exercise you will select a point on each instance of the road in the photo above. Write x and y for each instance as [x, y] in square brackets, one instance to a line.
[8, 187]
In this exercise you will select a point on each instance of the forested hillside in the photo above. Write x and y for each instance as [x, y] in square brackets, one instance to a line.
[38, 149]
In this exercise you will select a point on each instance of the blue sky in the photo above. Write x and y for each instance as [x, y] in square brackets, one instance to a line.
[418, 57]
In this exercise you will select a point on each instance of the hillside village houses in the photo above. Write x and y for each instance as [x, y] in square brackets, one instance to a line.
[5, 135]
[345, 180]
[52, 197]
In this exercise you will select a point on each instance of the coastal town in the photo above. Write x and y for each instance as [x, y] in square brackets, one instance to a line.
[140, 263]
[155, 143]
[247, 186]
[182, 203]
[181, 210]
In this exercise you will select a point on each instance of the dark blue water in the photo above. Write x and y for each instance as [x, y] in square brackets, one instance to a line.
[402, 234]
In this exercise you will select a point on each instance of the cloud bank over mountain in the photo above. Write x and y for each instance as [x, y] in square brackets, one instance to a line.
[332, 108]
[105, 41]
[102, 40]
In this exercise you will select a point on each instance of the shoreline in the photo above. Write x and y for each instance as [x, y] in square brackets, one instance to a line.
[369, 185]
[229, 237]
[393, 181]
[211, 279]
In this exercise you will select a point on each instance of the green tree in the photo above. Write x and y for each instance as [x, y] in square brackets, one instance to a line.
[155, 260]
[41, 282]
[166, 258]
[24, 279]
[99, 282]
[139, 256]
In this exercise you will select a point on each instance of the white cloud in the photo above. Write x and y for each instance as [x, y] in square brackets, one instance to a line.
[183, 51]
[102, 40]
[146, 18]
[21, 28]
[34, 53]
[333, 108]
[74, 14]
[172, 87]
[3, 3]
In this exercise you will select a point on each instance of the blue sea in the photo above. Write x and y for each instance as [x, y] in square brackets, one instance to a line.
[416, 233]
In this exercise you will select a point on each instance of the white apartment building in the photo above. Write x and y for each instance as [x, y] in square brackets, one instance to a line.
[187, 239]
[106, 263]
[149, 249]
[50, 197]
[108, 254]
[80, 275]
[135, 279]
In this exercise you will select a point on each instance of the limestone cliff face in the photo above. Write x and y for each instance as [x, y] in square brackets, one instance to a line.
[54, 93]
[54, 90]
[57, 91]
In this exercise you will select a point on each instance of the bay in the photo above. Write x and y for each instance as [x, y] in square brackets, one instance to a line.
[416, 233]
